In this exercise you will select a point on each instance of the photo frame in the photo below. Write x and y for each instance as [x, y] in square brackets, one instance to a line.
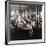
[23, 29]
